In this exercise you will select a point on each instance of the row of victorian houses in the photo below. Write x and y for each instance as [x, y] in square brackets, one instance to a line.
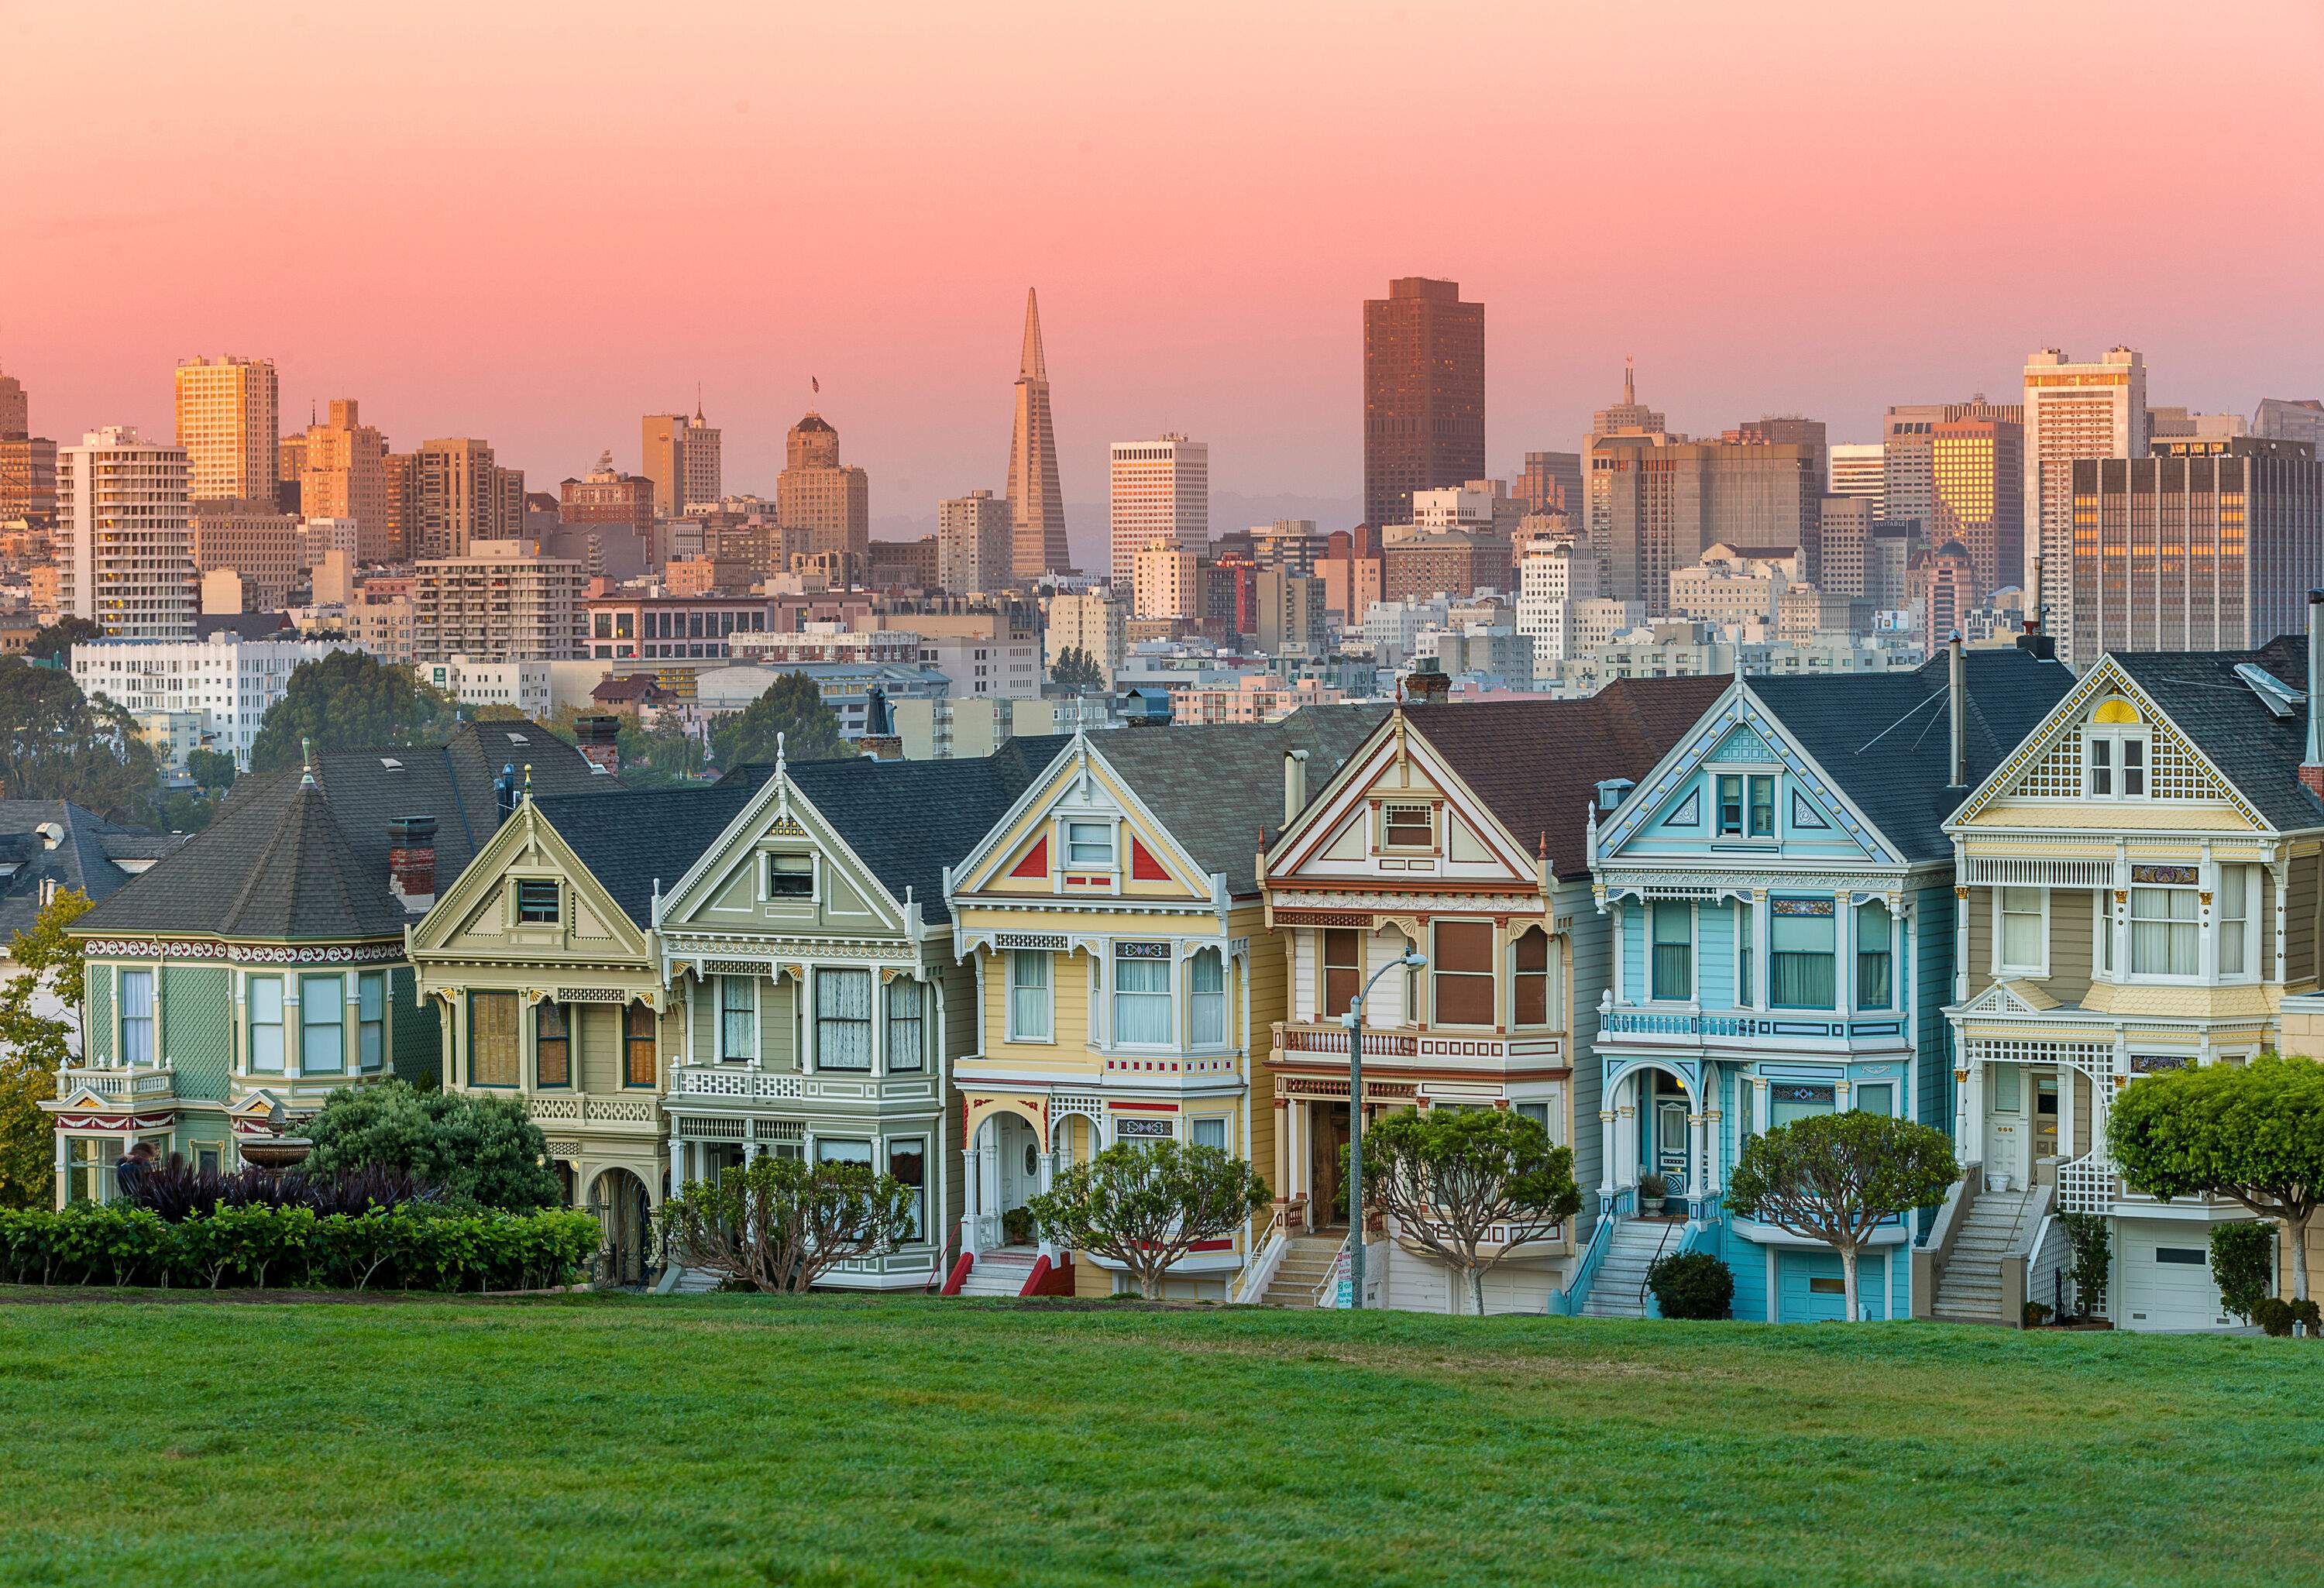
[1986, 895]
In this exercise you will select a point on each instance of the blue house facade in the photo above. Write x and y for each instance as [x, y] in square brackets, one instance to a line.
[1781, 895]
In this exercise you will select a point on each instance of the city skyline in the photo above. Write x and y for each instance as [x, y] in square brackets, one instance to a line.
[1240, 323]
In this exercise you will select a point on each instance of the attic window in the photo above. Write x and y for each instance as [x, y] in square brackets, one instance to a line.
[2115, 768]
[790, 876]
[1407, 827]
[536, 901]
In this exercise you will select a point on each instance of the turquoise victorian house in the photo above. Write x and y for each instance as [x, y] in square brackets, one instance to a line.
[1781, 892]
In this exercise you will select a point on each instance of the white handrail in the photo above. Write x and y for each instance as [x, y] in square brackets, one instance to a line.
[1255, 1272]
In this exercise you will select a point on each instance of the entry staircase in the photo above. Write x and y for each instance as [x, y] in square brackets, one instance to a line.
[1000, 1273]
[1618, 1290]
[1969, 1286]
[1306, 1262]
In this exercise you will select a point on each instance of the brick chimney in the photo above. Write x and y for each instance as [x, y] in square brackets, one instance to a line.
[600, 741]
[411, 861]
[1426, 684]
[2311, 764]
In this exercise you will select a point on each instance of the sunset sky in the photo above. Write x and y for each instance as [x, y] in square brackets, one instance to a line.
[533, 222]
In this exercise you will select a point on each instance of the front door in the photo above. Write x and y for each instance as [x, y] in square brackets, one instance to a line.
[1670, 1144]
[1328, 1132]
[1018, 1166]
[2006, 1125]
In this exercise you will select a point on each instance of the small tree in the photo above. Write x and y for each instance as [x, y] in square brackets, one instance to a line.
[350, 700]
[794, 712]
[1469, 1185]
[1834, 1177]
[2088, 1238]
[213, 769]
[2243, 1265]
[472, 1147]
[778, 1223]
[1147, 1206]
[1076, 668]
[2253, 1133]
[35, 1044]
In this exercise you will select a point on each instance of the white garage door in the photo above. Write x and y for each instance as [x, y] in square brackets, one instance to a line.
[2166, 1278]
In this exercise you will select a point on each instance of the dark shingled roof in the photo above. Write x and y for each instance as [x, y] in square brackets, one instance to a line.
[652, 837]
[1537, 764]
[84, 857]
[1887, 738]
[910, 819]
[2255, 750]
[280, 863]
[1219, 790]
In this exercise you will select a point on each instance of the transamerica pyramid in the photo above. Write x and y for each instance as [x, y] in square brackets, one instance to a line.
[1036, 506]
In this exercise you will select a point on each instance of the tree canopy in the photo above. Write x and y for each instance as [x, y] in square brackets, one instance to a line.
[1076, 668]
[778, 1223]
[55, 642]
[39, 1019]
[1469, 1185]
[350, 700]
[59, 744]
[2253, 1133]
[794, 709]
[1147, 1204]
[213, 769]
[1835, 1177]
[471, 1145]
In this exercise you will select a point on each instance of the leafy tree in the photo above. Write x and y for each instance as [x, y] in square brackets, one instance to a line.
[793, 709]
[1147, 1206]
[2243, 1265]
[472, 1147]
[1076, 668]
[187, 810]
[1469, 1185]
[497, 712]
[780, 1223]
[350, 700]
[2253, 1133]
[35, 1045]
[55, 642]
[59, 744]
[211, 769]
[1834, 1177]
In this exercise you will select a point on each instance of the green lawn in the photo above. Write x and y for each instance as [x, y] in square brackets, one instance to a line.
[734, 1439]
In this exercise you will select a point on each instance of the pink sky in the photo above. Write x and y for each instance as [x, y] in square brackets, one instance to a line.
[534, 222]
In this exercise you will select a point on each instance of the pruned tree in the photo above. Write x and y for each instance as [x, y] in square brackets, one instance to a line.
[778, 1223]
[1836, 1178]
[2252, 1133]
[1146, 1206]
[1469, 1185]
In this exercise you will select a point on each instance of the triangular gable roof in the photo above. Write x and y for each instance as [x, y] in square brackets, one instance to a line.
[629, 845]
[2011, 998]
[1333, 804]
[530, 828]
[2217, 719]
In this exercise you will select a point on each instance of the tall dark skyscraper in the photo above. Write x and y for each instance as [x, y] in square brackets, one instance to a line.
[1424, 394]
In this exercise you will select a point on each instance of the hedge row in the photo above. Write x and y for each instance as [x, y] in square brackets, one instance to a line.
[412, 1248]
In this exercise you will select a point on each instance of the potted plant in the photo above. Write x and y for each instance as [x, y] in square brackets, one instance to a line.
[1652, 1189]
[1016, 1226]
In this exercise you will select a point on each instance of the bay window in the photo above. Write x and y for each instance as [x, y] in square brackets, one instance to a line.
[1876, 933]
[1207, 1006]
[1029, 1006]
[136, 1017]
[552, 1045]
[1529, 979]
[843, 1020]
[907, 1027]
[1793, 1099]
[1801, 952]
[738, 1019]
[322, 1026]
[1343, 970]
[637, 1045]
[1874, 1096]
[1209, 1131]
[1141, 995]
[1673, 926]
[1460, 988]
[908, 1161]
[371, 1021]
[2021, 944]
[2165, 932]
[2235, 920]
[493, 1039]
[1745, 978]
[266, 1019]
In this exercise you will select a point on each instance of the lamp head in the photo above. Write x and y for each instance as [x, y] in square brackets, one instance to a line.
[1415, 960]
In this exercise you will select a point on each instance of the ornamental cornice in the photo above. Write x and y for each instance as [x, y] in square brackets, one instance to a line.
[1611, 884]
[1401, 903]
[683, 945]
[218, 950]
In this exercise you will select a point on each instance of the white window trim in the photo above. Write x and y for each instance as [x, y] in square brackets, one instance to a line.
[1183, 972]
[767, 858]
[2118, 735]
[1744, 835]
[1694, 955]
[2202, 932]
[2251, 971]
[757, 1031]
[1066, 865]
[2002, 969]
[1179, 1003]
[1009, 989]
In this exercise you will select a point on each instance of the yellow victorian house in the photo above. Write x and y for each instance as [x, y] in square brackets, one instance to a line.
[1113, 920]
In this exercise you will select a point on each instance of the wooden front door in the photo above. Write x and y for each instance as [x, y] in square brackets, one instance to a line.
[1328, 1131]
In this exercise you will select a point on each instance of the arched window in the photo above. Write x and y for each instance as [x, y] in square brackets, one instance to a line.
[2114, 757]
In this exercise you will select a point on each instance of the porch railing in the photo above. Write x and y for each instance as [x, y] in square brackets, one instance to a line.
[1332, 1038]
[144, 1081]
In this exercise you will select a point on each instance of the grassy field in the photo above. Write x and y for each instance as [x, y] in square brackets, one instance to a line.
[731, 1439]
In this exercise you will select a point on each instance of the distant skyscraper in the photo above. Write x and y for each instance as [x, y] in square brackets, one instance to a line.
[344, 475]
[1977, 467]
[2075, 410]
[1161, 497]
[973, 543]
[605, 495]
[16, 409]
[1908, 455]
[817, 493]
[2210, 544]
[28, 463]
[2285, 418]
[1657, 502]
[1858, 468]
[1789, 429]
[462, 495]
[1424, 394]
[124, 546]
[684, 459]
[1552, 483]
[1629, 415]
[229, 421]
[1037, 503]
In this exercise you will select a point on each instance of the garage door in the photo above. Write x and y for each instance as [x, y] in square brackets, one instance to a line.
[2166, 1278]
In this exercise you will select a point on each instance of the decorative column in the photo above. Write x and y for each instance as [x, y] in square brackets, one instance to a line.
[1283, 1112]
[677, 1164]
[1608, 1184]
[1696, 1154]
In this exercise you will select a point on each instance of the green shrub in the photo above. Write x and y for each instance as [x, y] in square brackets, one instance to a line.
[471, 1147]
[2305, 1311]
[2273, 1314]
[2093, 1256]
[2243, 1263]
[2037, 1313]
[1691, 1285]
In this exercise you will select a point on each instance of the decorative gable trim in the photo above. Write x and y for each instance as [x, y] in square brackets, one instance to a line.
[1347, 800]
[2010, 998]
[527, 831]
[1036, 863]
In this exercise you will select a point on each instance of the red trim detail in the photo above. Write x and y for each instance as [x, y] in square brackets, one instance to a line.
[1144, 867]
[959, 1274]
[1212, 1246]
[1048, 1278]
[1036, 863]
[1032, 1284]
[1145, 1108]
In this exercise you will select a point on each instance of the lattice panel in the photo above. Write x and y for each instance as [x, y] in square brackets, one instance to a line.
[2059, 774]
[2091, 1058]
[2175, 774]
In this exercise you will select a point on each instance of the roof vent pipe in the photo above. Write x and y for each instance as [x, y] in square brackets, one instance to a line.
[1295, 785]
[1959, 703]
[2311, 764]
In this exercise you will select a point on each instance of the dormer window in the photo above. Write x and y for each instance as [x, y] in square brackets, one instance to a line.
[790, 876]
[1089, 844]
[2115, 761]
[536, 901]
[1407, 827]
[1746, 805]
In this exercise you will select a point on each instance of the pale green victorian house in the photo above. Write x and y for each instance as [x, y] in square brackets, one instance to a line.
[811, 950]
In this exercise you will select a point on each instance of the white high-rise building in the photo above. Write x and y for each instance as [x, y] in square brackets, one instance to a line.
[973, 543]
[1091, 621]
[503, 602]
[1550, 582]
[1161, 496]
[1860, 469]
[2074, 411]
[126, 549]
[226, 681]
[229, 423]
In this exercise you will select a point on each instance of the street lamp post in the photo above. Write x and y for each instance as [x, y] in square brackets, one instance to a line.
[1354, 1021]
